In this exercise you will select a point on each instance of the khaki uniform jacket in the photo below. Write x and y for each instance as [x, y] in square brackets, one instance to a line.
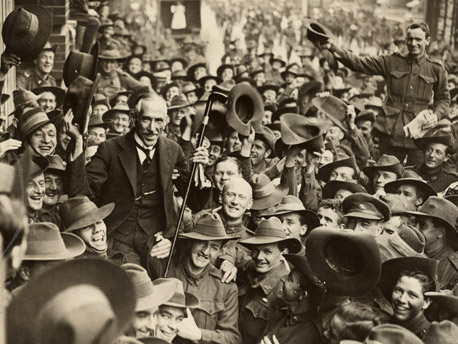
[28, 79]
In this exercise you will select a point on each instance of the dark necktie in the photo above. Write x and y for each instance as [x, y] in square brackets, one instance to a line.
[148, 159]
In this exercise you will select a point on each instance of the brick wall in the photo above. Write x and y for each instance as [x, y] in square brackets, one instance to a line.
[60, 35]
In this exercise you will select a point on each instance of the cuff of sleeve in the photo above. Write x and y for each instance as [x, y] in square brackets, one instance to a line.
[206, 335]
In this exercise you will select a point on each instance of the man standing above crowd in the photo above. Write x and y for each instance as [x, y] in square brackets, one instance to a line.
[40, 73]
[135, 171]
[412, 80]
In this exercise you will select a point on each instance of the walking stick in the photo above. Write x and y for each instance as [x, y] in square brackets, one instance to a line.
[214, 96]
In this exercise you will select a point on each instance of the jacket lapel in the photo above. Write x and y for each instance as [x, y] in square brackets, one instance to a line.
[164, 161]
[128, 158]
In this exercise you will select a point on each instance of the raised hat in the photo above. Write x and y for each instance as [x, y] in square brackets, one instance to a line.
[410, 178]
[245, 109]
[348, 262]
[79, 98]
[56, 164]
[271, 231]
[391, 271]
[365, 206]
[444, 332]
[441, 209]
[60, 304]
[208, 227]
[97, 121]
[180, 298]
[300, 130]
[32, 120]
[439, 136]
[84, 64]
[147, 295]
[317, 32]
[26, 31]
[407, 241]
[58, 92]
[45, 242]
[79, 212]
[446, 299]
[331, 187]
[385, 163]
[265, 193]
[22, 97]
[334, 108]
[325, 171]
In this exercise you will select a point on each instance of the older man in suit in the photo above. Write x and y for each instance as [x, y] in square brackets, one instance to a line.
[137, 172]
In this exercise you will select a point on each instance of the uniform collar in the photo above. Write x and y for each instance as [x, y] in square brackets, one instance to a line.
[268, 281]
[299, 318]
[419, 59]
[194, 279]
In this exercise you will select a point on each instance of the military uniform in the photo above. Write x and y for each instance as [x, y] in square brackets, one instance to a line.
[258, 301]
[447, 271]
[29, 79]
[411, 83]
[439, 181]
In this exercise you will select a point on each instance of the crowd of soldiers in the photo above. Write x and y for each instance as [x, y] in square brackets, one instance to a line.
[144, 199]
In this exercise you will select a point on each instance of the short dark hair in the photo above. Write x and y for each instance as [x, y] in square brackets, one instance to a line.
[421, 25]
[335, 205]
[225, 157]
[427, 282]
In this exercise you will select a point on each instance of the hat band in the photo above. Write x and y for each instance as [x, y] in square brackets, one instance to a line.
[144, 289]
[55, 246]
[178, 299]
[265, 191]
[32, 29]
[80, 211]
[32, 121]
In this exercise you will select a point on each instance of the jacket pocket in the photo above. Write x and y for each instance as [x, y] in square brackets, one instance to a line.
[398, 82]
[209, 314]
[425, 87]
[259, 310]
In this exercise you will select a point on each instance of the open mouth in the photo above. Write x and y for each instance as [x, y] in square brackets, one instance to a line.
[45, 148]
[166, 335]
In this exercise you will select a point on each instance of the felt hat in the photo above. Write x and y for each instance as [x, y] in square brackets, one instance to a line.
[317, 32]
[100, 99]
[193, 68]
[79, 212]
[120, 108]
[179, 75]
[331, 187]
[441, 209]
[302, 264]
[291, 69]
[168, 86]
[22, 97]
[388, 334]
[266, 135]
[325, 171]
[84, 64]
[334, 108]
[385, 163]
[365, 206]
[180, 298]
[245, 109]
[208, 227]
[374, 102]
[310, 88]
[79, 98]
[97, 121]
[26, 31]
[58, 92]
[4, 98]
[446, 299]
[32, 120]
[348, 262]
[366, 115]
[265, 193]
[246, 81]
[277, 59]
[147, 295]
[105, 23]
[300, 130]
[56, 164]
[179, 59]
[190, 87]
[271, 231]
[178, 102]
[60, 304]
[282, 109]
[391, 271]
[150, 76]
[204, 79]
[444, 332]
[407, 241]
[224, 66]
[217, 116]
[160, 64]
[268, 86]
[45, 242]
[410, 178]
[111, 53]
[256, 72]
[292, 204]
[338, 92]
[439, 136]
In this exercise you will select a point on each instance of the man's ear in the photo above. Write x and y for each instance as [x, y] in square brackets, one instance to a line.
[426, 304]
[250, 204]
[268, 152]
[441, 232]
[304, 229]
[419, 201]
[447, 156]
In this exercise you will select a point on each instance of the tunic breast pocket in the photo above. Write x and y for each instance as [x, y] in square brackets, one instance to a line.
[425, 87]
[398, 82]
[259, 310]
[209, 314]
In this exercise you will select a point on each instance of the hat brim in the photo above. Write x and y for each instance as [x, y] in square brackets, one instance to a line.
[361, 215]
[325, 171]
[160, 293]
[420, 214]
[311, 218]
[331, 187]
[203, 237]
[92, 217]
[395, 168]
[447, 302]
[281, 191]
[294, 245]
[427, 190]
[74, 247]
[347, 261]
[190, 302]
[33, 297]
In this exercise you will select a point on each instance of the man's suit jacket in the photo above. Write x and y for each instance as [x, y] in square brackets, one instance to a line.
[111, 176]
